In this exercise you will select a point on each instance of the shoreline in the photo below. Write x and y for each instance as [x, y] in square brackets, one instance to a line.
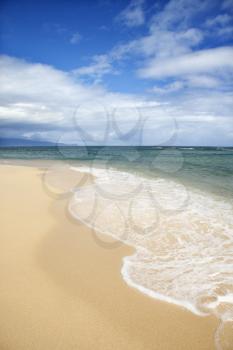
[58, 282]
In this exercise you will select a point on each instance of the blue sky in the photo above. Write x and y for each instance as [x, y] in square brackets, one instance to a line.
[68, 66]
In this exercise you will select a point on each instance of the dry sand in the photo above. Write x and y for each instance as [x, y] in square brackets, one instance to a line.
[60, 289]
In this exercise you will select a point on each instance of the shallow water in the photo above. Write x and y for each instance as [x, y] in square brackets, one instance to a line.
[183, 238]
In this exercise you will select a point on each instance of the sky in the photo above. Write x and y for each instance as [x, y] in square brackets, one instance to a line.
[104, 72]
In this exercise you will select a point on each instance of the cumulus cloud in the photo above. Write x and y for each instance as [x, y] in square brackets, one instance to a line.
[177, 14]
[39, 101]
[202, 61]
[105, 64]
[190, 81]
[172, 39]
[48, 102]
[168, 88]
[166, 43]
[101, 65]
[204, 81]
[220, 25]
[174, 48]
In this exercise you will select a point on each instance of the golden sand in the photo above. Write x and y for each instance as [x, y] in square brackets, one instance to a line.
[61, 290]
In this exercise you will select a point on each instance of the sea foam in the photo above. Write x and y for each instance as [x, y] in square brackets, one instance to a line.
[183, 238]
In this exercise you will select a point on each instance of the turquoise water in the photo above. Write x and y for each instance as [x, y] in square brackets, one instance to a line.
[208, 168]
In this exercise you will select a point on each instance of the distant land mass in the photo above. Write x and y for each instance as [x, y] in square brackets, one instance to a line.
[14, 142]
[20, 142]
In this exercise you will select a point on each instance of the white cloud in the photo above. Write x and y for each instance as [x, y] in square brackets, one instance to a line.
[133, 14]
[202, 61]
[171, 48]
[171, 40]
[167, 43]
[104, 64]
[161, 41]
[163, 44]
[100, 66]
[221, 25]
[75, 38]
[203, 81]
[168, 88]
[38, 101]
[177, 14]
[192, 81]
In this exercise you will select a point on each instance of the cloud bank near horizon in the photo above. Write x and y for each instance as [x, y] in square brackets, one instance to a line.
[42, 103]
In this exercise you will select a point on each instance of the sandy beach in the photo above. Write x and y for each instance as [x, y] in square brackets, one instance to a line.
[61, 290]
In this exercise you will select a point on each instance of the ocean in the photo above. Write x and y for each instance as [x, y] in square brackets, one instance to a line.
[174, 205]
